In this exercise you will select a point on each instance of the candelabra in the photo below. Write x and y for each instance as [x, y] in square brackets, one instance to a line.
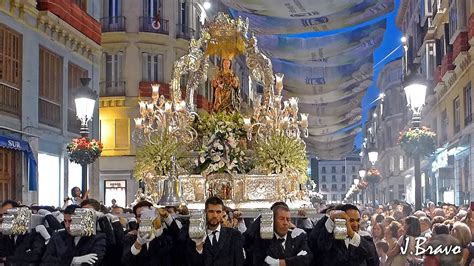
[164, 117]
[275, 117]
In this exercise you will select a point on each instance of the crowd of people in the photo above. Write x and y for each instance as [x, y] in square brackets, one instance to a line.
[386, 235]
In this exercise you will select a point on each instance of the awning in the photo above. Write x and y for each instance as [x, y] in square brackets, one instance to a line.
[13, 143]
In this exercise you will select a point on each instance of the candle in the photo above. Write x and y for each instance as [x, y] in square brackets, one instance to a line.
[286, 104]
[247, 122]
[150, 107]
[167, 107]
[142, 105]
[294, 102]
[155, 91]
[138, 122]
[279, 82]
[304, 120]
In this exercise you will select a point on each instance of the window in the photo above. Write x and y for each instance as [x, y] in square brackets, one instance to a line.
[444, 128]
[152, 67]
[457, 18]
[152, 7]
[467, 105]
[392, 164]
[112, 8]
[334, 187]
[113, 68]
[50, 88]
[82, 4]
[457, 115]
[343, 187]
[115, 133]
[74, 171]
[116, 189]
[343, 178]
[334, 197]
[75, 73]
[10, 70]
[333, 169]
[333, 178]
[401, 163]
[323, 178]
[323, 169]
[49, 181]
[343, 169]
[324, 187]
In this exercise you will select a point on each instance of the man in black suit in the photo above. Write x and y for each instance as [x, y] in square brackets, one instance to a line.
[287, 247]
[221, 246]
[65, 249]
[355, 249]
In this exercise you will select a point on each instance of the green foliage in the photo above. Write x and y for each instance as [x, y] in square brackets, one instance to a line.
[208, 124]
[279, 154]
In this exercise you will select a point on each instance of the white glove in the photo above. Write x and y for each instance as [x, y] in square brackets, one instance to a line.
[133, 219]
[112, 218]
[272, 261]
[159, 232]
[148, 214]
[296, 232]
[59, 216]
[99, 214]
[43, 232]
[147, 238]
[89, 259]
[43, 212]
[302, 253]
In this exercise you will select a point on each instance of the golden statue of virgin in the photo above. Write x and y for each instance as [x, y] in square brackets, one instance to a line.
[226, 89]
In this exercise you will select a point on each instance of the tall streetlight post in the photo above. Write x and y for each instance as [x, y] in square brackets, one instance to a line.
[362, 173]
[85, 102]
[415, 90]
[373, 157]
[356, 182]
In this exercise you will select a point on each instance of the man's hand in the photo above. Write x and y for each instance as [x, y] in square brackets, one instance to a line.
[112, 218]
[163, 212]
[88, 259]
[282, 263]
[338, 215]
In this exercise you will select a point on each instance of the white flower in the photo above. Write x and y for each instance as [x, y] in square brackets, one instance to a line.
[221, 164]
[215, 158]
[202, 159]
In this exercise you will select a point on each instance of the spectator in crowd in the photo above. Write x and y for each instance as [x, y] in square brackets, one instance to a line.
[425, 225]
[377, 232]
[382, 249]
[450, 259]
[463, 234]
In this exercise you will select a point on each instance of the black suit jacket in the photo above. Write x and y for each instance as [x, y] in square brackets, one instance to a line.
[61, 249]
[273, 248]
[335, 252]
[229, 250]
[26, 250]
[158, 252]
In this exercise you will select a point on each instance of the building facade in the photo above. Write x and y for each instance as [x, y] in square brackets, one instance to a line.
[335, 177]
[440, 39]
[138, 52]
[44, 50]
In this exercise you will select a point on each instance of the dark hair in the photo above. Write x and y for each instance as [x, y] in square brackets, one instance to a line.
[140, 204]
[94, 203]
[278, 203]
[214, 201]
[406, 209]
[71, 208]
[379, 218]
[72, 191]
[348, 206]
[440, 229]
[393, 228]
[103, 209]
[413, 224]
[11, 202]
[278, 208]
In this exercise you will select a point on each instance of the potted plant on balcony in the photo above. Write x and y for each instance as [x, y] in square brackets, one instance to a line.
[84, 150]
[418, 140]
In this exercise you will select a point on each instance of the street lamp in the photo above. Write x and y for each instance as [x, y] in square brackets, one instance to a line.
[85, 102]
[362, 173]
[373, 156]
[415, 90]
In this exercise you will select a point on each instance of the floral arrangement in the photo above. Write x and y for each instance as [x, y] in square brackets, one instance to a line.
[221, 152]
[208, 124]
[282, 154]
[373, 175]
[418, 141]
[84, 150]
[155, 156]
[363, 184]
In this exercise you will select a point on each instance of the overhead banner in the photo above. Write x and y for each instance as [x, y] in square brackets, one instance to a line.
[364, 11]
[339, 136]
[342, 84]
[326, 50]
[297, 75]
[322, 131]
[317, 122]
[328, 97]
[335, 108]
[292, 9]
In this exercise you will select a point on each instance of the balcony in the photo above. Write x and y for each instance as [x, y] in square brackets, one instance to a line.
[49, 113]
[112, 88]
[73, 15]
[113, 24]
[10, 99]
[184, 32]
[147, 25]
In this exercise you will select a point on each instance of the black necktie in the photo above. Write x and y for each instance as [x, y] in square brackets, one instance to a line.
[214, 238]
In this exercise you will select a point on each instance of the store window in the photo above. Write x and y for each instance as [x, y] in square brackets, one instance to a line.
[116, 189]
[49, 181]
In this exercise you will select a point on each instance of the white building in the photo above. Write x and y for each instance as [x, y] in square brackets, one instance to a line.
[44, 50]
